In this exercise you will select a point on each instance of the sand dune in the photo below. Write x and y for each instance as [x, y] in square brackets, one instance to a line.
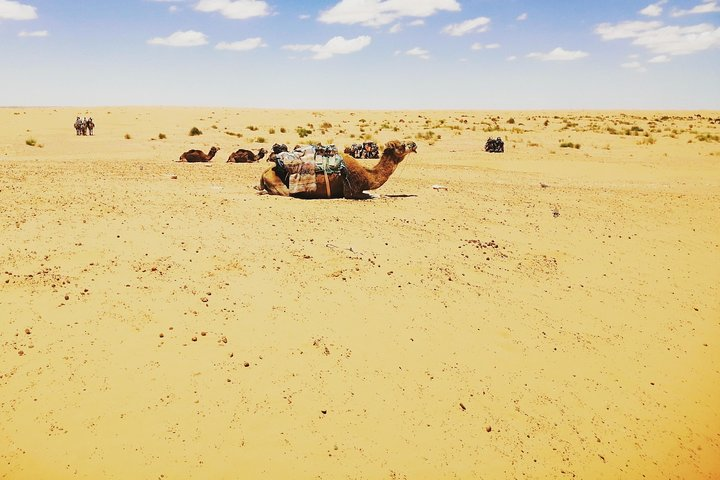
[553, 312]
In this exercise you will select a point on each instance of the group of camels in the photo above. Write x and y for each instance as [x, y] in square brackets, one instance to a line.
[86, 126]
[352, 180]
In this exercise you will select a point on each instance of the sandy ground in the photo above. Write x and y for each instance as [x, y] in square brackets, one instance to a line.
[553, 313]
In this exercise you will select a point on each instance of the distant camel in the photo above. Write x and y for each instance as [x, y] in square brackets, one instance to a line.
[246, 156]
[90, 125]
[192, 156]
[351, 183]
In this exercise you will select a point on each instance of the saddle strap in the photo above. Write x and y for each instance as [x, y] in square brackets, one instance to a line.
[327, 181]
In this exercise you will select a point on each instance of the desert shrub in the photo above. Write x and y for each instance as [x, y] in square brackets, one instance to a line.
[283, 130]
[326, 125]
[569, 145]
[648, 140]
[215, 127]
[511, 120]
[271, 131]
[194, 131]
[706, 137]
[260, 140]
[127, 136]
[162, 136]
[252, 128]
[303, 132]
[31, 142]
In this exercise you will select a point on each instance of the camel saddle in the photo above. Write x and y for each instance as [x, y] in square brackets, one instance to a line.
[300, 167]
[290, 162]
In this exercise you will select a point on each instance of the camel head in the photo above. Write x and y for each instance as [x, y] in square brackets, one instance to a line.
[214, 150]
[261, 153]
[398, 150]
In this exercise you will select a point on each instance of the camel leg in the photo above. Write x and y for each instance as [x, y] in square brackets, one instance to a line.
[272, 184]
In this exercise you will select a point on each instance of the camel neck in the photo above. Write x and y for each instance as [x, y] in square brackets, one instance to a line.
[379, 174]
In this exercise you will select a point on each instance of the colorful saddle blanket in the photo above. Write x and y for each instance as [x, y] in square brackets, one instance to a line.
[300, 167]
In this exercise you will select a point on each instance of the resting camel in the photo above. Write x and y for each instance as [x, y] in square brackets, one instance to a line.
[198, 155]
[351, 183]
[246, 156]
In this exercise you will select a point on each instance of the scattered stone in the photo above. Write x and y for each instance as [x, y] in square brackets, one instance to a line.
[27, 331]
[488, 429]
[462, 406]
[162, 335]
[194, 339]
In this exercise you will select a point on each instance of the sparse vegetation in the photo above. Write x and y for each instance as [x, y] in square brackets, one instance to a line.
[260, 140]
[303, 132]
[252, 128]
[127, 136]
[194, 131]
[271, 131]
[570, 145]
[706, 137]
[31, 142]
[162, 136]
[283, 130]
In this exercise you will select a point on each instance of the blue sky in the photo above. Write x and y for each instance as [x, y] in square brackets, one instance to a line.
[363, 54]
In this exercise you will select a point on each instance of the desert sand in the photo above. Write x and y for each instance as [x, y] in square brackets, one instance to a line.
[549, 312]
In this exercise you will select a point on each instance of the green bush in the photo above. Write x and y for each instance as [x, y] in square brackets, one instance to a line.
[303, 132]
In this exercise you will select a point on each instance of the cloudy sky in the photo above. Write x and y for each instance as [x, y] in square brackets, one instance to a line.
[374, 54]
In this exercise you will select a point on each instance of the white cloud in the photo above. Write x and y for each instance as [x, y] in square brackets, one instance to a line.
[659, 59]
[664, 40]
[480, 46]
[705, 7]
[654, 9]
[419, 53]
[377, 13]
[521, 17]
[673, 40]
[38, 33]
[511, 58]
[609, 31]
[475, 25]
[637, 66]
[242, 45]
[235, 9]
[12, 10]
[304, 16]
[189, 38]
[334, 46]
[559, 54]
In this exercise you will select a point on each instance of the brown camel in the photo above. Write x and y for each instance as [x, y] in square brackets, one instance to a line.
[198, 155]
[246, 156]
[351, 183]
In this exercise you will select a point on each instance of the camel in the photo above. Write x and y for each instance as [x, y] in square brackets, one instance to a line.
[198, 155]
[90, 125]
[351, 183]
[246, 156]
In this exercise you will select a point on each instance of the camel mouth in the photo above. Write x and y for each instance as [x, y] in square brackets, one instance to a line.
[411, 146]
